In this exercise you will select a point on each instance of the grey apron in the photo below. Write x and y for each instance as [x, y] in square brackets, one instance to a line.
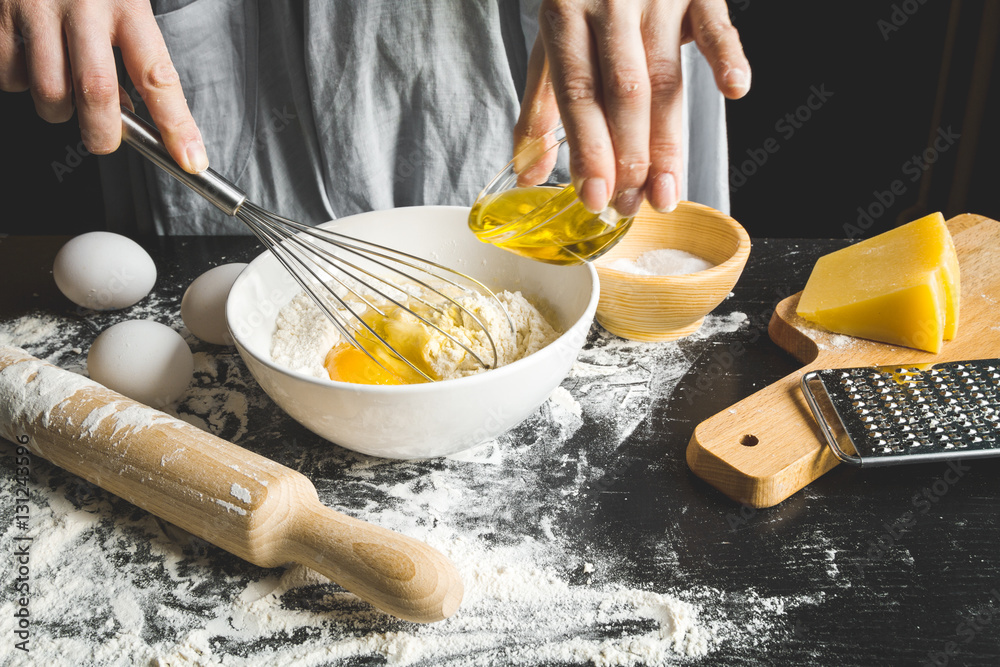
[324, 109]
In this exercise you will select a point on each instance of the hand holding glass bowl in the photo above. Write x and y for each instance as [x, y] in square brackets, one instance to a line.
[531, 209]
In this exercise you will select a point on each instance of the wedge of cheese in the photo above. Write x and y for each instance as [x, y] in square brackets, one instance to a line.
[900, 287]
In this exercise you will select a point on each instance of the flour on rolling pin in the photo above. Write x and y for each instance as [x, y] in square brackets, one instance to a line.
[39, 400]
[33, 391]
[30, 389]
[37, 397]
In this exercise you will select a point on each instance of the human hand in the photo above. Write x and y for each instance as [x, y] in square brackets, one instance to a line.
[60, 50]
[612, 71]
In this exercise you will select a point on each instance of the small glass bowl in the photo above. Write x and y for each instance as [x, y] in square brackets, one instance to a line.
[530, 209]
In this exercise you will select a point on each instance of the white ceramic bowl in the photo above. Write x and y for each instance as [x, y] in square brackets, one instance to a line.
[425, 420]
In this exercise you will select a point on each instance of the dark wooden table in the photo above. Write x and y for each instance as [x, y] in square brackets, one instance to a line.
[902, 565]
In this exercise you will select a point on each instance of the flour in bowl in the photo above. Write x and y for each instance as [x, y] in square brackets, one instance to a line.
[304, 335]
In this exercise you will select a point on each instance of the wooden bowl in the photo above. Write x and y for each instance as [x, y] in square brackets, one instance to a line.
[661, 308]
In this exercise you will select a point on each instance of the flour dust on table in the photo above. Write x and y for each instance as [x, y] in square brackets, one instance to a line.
[113, 585]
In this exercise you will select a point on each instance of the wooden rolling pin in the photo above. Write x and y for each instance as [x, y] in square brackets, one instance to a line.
[242, 502]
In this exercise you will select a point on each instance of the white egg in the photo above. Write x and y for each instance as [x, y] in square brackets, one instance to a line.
[147, 361]
[104, 271]
[203, 307]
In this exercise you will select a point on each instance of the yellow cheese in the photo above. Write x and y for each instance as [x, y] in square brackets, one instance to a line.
[900, 287]
[952, 283]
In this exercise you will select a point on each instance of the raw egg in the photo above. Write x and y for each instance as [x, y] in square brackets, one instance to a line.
[346, 363]
[398, 328]
[147, 361]
[104, 271]
[203, 307]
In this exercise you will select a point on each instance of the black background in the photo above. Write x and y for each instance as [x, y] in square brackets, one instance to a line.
[894, 78]
[892, 88]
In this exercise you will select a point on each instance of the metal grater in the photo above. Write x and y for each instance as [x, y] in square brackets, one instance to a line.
[889, 415]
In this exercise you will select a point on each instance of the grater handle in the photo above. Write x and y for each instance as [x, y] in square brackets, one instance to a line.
[827, 417]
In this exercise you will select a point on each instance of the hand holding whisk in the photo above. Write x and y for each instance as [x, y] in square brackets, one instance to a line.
[328, 265]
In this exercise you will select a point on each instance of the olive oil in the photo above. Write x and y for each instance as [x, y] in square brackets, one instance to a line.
[546, 223]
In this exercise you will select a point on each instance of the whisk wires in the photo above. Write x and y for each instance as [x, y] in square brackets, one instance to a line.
[305, 252]
[315, 257]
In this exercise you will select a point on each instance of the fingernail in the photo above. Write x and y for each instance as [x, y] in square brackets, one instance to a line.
[627, 202]
[197, 158]
[594, 194]
[97, 142]
[665, 193]
[738, 79]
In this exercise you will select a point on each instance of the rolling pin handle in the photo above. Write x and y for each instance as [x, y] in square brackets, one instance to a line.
[398, 574]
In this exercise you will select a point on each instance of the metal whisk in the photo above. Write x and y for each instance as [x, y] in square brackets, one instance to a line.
[318, 259]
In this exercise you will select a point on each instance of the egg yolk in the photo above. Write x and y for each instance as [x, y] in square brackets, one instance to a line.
[398, 328]
[346, 363]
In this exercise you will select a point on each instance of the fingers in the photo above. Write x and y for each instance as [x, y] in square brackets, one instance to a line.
[575, 78]
[95, 80]
[47, 67]
[661, 35]
[617, 80]
[81, 68]
[539, 111]
[719, 42]
[151, 70]
[13, 70]
[539, 115]
[626, 100]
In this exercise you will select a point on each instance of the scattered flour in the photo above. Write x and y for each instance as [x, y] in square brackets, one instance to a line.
[30, 330]
[113, 586]
[717, 324]
[560, 396]
[832, 569]
[662, 262]
[827, 341]
[841, 341]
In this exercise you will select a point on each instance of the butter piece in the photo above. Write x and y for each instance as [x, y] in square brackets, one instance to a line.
[900, 287]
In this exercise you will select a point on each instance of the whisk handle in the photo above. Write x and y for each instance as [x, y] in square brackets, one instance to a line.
[146, 139]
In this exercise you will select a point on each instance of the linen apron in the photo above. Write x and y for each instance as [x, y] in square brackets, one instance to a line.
[321, 109]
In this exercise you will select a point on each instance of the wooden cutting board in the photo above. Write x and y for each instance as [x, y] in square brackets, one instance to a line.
[768, 446]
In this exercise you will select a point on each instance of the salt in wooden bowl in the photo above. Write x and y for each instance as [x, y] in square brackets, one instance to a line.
[662, 308]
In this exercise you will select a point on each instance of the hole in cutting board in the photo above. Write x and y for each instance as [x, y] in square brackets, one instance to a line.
[749, 440]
